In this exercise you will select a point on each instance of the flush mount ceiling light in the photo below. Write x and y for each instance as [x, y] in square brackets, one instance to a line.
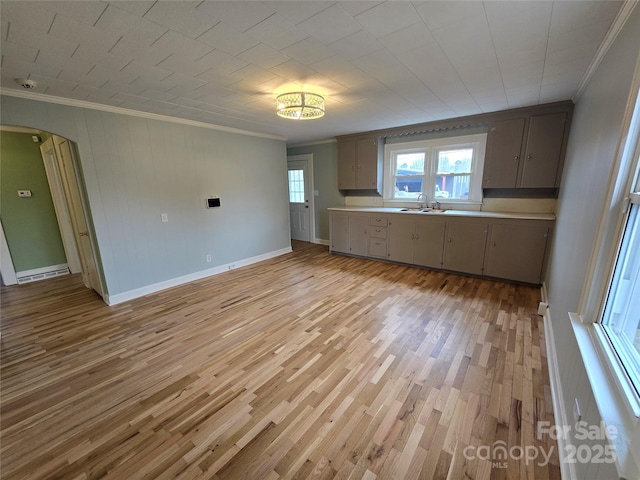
[300, 105]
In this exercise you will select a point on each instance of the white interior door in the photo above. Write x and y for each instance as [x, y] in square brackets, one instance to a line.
[51, 166]
[299, 199]
[69, 179]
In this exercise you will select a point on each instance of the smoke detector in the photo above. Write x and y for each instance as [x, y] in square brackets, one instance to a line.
[27, 84]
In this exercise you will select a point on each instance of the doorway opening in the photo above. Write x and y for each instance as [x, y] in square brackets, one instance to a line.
[60, 160]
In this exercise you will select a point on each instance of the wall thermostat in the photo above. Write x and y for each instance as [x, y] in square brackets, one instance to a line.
[213, 202]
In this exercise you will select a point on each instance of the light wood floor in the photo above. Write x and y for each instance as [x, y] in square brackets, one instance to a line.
[309, 365]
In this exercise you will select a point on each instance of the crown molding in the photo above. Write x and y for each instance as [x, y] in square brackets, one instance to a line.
[309, 144]
[39, 97]
[621, 18]
[14, 129]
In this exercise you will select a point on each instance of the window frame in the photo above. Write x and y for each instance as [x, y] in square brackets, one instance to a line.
[477, 142]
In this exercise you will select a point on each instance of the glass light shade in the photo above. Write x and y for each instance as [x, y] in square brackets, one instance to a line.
[300, 105]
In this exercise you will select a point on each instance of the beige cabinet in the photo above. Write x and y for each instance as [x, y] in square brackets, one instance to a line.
[527, 151]
[516, 251]
[360, 164]
[506, 248]
[417, 241]
[358, 235]
[339, 232]
[465, 246]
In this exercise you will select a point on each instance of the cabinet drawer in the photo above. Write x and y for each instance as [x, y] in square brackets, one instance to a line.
[377, 247]
[378, 232]
[378, 221]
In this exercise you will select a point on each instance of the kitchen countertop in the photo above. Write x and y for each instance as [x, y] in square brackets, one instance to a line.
[451, 213]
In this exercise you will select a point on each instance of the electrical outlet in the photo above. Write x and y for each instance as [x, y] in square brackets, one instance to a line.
[164, 217]
[24, 193]
[208, 258]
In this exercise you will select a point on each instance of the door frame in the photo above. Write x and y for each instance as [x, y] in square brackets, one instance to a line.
[308, 158]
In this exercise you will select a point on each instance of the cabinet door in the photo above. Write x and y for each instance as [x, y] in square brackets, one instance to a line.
[367, 163]
[347, 165]
[400, 234]
[464, 248]
[516, 252]
[429, 243]
[339, 232]
[358, 238]
[543, 150]
[504, 145]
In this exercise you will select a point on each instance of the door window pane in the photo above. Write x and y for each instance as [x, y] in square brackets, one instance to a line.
[296, 186]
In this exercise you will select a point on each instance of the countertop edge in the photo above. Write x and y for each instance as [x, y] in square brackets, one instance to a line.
[451, 213]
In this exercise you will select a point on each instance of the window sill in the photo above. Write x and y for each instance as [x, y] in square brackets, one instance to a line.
[615, 397]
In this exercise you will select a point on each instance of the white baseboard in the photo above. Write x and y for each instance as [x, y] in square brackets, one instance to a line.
[174, 282]
[321, 241]
[567, 470]
[42, 273]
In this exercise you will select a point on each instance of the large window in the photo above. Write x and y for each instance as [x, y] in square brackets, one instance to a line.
[621, 318]
[445, 169]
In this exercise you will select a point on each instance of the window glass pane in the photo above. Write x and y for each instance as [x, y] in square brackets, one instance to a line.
[454, 187]
[410, 163]
[455, 161]
[409, 175]
[296, 186]
[621, 319]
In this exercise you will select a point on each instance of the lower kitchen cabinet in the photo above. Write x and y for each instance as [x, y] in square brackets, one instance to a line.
[429, 242]
[339, 225]
[517, 252]
[416, 241]
[465, 246]
[506, 248]
[358, 235]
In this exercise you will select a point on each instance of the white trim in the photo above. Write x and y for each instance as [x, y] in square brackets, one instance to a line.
[621, 18]
[321, 241]
[310, 144]
[567, 470]
[6, 263]
[14, 129]
[42, 273]
[39, 97]
[174, 282]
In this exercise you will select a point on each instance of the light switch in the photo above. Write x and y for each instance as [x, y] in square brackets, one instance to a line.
[24, 193]
[164, 217]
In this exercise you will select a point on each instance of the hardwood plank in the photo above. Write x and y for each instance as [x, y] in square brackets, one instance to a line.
[308, 365]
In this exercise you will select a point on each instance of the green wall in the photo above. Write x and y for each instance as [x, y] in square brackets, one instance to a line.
[325, 180]
[30, 224]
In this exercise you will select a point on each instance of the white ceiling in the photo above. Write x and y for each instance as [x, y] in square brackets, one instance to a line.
[379, 64]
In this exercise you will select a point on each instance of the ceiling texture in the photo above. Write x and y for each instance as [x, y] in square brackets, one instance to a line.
[379, 64]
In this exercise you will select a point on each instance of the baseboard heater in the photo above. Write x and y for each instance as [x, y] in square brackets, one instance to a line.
[28, 276]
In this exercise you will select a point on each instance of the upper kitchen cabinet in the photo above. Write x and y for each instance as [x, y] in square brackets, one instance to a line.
[360, 164]
[526, 150]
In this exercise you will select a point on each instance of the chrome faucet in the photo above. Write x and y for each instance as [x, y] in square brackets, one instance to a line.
[426, 200]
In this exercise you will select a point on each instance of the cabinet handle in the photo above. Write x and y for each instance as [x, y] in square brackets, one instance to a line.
[417, 237]
[529, 157]
[449, 241]
[517, 157]
[412, 236]
[493, 244]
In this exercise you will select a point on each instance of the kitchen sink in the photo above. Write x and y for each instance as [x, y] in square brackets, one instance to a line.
[423, 210]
